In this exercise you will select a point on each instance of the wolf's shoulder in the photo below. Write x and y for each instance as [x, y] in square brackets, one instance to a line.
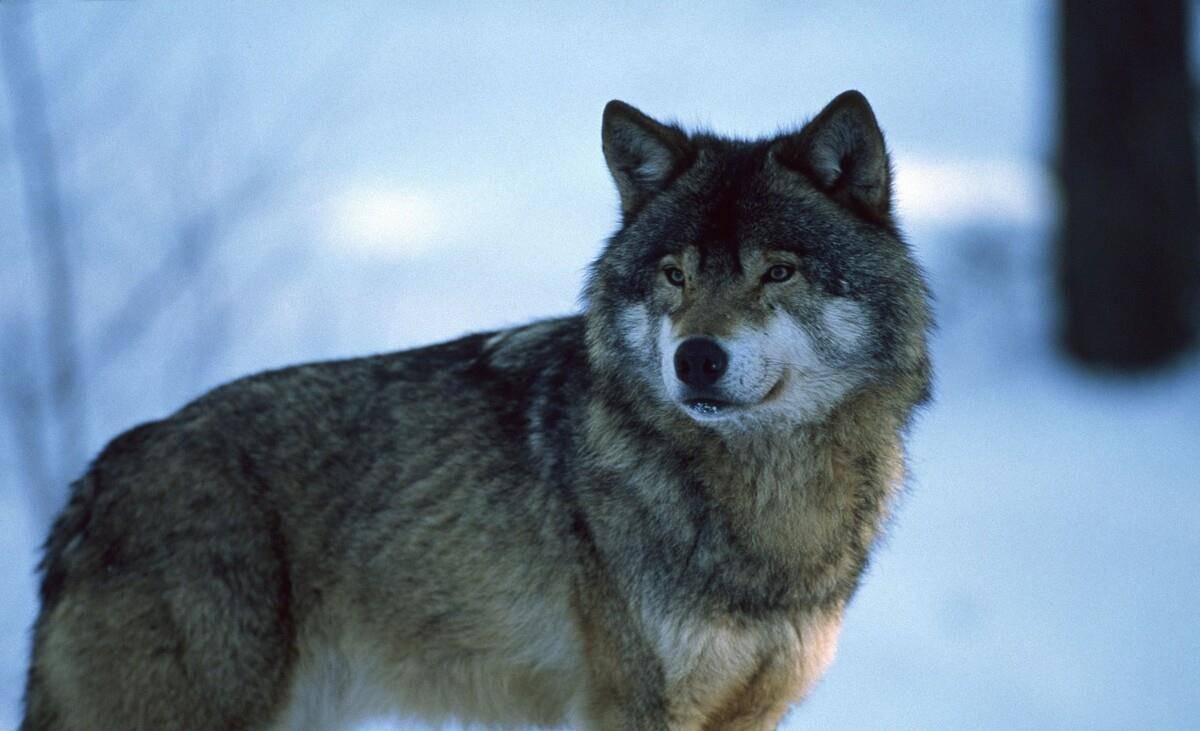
[352, 393]
[525, 347]
[544, 343]
[359, 405]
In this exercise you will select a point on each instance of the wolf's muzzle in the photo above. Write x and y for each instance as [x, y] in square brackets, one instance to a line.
[700, 362]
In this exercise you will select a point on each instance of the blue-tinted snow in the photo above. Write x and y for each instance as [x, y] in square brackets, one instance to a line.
[1043, 570]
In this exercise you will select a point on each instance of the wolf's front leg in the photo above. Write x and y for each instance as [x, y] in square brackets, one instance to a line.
[624, 691]
[624, 680]
[623, 717]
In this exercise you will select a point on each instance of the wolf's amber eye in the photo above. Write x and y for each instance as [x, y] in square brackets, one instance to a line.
[779, 273]
[674, 276]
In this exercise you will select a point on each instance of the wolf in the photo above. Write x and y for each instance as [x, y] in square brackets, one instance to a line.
[649, 515]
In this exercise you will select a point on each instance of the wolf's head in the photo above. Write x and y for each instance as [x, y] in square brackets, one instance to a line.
[753, 282]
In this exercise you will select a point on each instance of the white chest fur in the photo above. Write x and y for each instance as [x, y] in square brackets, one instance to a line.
[713, 659]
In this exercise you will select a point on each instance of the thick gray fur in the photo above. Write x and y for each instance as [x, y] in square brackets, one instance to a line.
[536, 526]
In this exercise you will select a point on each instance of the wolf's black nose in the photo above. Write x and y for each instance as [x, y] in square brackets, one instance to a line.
[699, 362]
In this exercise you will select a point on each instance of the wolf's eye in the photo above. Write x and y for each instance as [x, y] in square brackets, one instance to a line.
[779, 273]
[674, 276]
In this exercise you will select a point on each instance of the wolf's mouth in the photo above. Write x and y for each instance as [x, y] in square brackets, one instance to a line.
[708, 407]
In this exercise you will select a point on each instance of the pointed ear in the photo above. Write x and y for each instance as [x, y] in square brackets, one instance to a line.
[642, 154]
[842, 152]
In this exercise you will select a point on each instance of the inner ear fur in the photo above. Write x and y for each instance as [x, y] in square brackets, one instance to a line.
[642, 154]
[843, 154]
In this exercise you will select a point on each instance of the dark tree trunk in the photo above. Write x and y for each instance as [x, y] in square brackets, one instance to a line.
[1129, 248]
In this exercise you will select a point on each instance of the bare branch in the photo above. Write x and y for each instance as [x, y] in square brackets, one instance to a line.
[200, 234]
[27, 417]
[36, 161]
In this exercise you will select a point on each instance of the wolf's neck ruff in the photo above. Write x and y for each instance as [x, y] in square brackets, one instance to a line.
[803, 502]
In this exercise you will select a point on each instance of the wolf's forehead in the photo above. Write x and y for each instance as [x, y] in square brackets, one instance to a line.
[727, 189]
[737, 210]
[726, 209]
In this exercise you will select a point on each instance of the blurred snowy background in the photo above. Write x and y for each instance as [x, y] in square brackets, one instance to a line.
[194, 191]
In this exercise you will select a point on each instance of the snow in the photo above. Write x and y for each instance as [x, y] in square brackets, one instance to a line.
[1043, 570]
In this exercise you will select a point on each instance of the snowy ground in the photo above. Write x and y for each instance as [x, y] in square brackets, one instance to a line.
[1043, 572]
